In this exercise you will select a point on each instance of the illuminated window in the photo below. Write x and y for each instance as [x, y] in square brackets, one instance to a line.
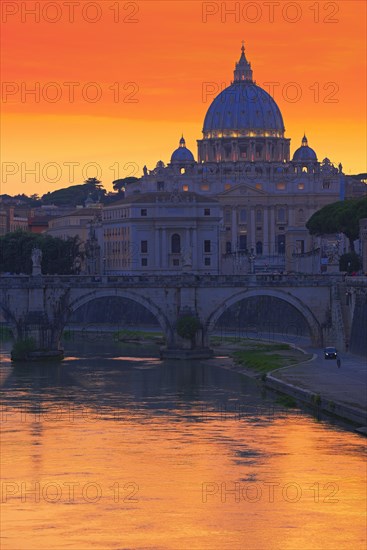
[301, 186]
[258, 186]
[182, 170]
[227, 186]
[205, 187]
[185, 188]
[280, 186]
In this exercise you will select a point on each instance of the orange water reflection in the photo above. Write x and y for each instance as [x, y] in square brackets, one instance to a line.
[151, 481]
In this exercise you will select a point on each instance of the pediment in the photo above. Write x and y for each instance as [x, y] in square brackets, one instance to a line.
[243, 189]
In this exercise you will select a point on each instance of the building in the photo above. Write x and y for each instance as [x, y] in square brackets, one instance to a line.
[162, 233]
[12, 219]
[75, 224]
[265, 195]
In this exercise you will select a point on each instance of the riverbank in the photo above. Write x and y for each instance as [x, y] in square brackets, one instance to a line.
[312, 381]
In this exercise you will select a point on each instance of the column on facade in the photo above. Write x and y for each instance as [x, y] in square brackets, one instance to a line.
[164, 249]
[272, 231]
[252, 243]
[195, 248]
[266, 233]
[234, 229]
[157, 247]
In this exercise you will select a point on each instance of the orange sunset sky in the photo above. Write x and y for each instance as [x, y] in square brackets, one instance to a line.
[161, 57]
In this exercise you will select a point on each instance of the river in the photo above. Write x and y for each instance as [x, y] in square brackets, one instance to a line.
[115, 449]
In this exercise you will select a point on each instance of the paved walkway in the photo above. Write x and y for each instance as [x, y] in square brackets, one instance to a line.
[346, 385]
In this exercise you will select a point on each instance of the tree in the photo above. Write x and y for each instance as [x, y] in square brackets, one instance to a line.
[57, 255]
[350, 262]
[339, 217]
[120, 184]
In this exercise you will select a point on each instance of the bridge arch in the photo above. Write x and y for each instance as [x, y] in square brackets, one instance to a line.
[89, 296]
[313, 324]
[9, 318]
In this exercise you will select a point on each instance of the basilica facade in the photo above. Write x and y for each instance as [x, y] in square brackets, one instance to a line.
[241, 206]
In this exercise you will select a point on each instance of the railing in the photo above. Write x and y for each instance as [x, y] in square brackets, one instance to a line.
[259, 279]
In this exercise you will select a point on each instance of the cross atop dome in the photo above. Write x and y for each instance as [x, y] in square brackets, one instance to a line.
[243, 71]
[304, 141]
[182, 141]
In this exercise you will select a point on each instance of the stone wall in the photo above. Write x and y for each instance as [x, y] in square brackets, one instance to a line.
[358, 337]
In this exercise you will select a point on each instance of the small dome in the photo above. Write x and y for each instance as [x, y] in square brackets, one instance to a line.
[182, 154]
[305, 153]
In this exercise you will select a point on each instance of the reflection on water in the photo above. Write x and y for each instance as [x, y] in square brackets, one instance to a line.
[115, 449]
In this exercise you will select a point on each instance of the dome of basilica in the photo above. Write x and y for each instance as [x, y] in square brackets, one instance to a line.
[243, 109]
[304, 153]
[182, 154]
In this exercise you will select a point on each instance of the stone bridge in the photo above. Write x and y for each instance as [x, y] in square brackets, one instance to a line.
[40, 306]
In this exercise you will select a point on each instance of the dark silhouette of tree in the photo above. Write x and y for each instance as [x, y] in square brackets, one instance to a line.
[120, 184]
[339, 217]
[58, 255]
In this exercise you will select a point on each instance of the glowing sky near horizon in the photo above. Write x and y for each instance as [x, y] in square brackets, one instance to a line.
[151, 64]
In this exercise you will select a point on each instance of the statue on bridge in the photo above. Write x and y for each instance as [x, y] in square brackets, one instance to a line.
[36, 261]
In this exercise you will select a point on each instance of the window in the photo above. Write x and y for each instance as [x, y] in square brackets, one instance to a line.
[227, 186]
[206, 211]
[243, 215]
[144, 247]
[175, 262]
[143, 212]
[228, 247]
[258, 186]
[280, 244]
[227, 216]
[182, 170]
[326, 184]
[160, 185]
[242, 242]
[258, 216]
[259, 247]
[144, 262]
[300, 246]
[281, 215]
[204, 187]
[207, 246]
[185, 188]
[280, 186]
[206, 261]
[300, 215]
[176, 244]
[301, 186]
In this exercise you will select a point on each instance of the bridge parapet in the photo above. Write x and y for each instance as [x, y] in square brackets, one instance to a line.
[163, 281]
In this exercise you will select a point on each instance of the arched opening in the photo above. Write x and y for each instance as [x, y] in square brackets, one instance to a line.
[176, 244]
[112, 316]
[269, 314]
[8, 326]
